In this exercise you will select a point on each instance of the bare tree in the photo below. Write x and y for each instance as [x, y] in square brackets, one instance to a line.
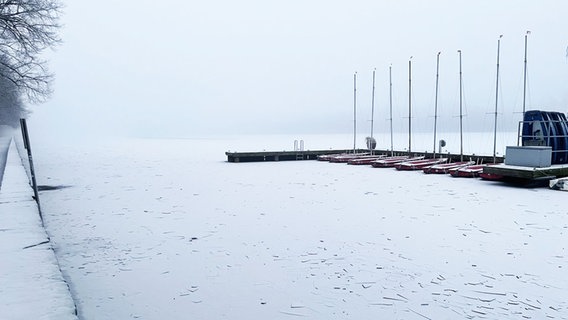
[27, 27]
[11, 106]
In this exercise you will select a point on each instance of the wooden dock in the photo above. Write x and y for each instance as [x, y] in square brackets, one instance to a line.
[313, 154]
[528, 173]
[280, 155]
[519, 175]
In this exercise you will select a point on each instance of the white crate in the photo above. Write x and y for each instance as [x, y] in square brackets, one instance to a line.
[529, 156]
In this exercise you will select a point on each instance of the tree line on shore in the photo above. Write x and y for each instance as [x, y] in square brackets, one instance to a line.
[27, 28]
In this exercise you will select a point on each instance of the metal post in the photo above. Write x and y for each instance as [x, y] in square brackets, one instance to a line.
[28, 147]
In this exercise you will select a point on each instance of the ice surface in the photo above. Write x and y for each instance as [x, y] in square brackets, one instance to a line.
[167, 229]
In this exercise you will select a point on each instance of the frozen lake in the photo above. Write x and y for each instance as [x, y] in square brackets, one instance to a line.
[166, 229]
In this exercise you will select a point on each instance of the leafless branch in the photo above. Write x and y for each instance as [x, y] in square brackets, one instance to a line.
[27, 27]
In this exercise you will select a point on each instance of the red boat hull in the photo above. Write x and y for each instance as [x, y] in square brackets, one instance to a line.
[491, 176]
[327, 157]
[390, 162]
[345, 158]
[419, 164]
[468, 171]
[364, 160]
[447, 167]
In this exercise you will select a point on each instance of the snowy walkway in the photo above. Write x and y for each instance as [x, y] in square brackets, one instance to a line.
[31, 285]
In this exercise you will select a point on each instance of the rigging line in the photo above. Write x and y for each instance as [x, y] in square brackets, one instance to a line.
[466, 123]
[517, 104]
[464, 96]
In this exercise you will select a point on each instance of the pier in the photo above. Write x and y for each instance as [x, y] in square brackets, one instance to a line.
[313, 154]
[280, 155]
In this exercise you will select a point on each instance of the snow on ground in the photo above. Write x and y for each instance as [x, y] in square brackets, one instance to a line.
[166, 229]
[31, 284]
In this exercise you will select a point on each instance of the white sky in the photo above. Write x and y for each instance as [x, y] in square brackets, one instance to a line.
[184, 68]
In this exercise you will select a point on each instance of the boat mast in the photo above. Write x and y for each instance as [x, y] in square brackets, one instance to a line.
[496, 102]
[525, 75]
[436, 101]
[354, 111]
[409, 105]
[390, 107]
[524, 85]
[461, 103]
[372, 109]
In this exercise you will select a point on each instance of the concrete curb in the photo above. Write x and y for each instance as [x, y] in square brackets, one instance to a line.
[31, 283]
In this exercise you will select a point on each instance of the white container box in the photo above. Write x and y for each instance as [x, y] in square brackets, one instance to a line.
[529, 156]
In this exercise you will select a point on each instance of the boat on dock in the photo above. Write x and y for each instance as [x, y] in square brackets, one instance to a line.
[444, 168]
[491, 176]
[365, 160]
[419, 164]
[468, 171]
[344, 158]
[389, 162]
[327, 157]
[475, 170]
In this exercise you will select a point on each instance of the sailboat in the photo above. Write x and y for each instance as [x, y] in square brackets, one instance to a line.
[444, 167]
[419, 164]
[492, 176]
[471, 171]
[371, 143]
[477, 170]
[365, 159]
[392, 160]
[345, 157]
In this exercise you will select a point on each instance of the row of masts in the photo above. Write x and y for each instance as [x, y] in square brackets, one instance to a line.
[435, 101]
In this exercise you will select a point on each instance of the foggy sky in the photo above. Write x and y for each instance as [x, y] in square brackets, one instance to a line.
[184, 68]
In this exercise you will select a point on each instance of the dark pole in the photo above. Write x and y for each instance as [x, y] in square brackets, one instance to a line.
[28, 147]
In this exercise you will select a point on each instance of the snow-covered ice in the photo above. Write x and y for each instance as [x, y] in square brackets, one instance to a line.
[167, 229]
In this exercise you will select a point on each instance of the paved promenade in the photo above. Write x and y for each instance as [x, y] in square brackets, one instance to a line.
[31, 284]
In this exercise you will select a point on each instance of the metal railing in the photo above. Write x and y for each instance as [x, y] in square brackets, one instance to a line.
[545, 135]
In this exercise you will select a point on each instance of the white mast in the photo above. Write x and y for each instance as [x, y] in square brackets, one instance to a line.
[372, 108]
[461, 113]
[436, 101]
[525, 75]
[496, 102]
[390, 107]
[354, 111]
[409, 105]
